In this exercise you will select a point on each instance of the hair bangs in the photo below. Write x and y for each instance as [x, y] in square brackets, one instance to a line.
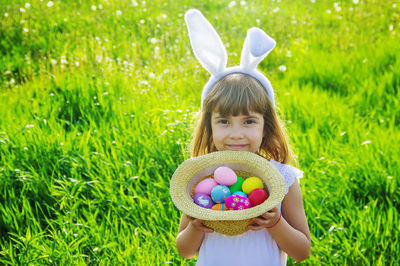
[237, 94]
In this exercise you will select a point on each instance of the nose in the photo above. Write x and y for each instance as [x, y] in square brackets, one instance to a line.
[236, 132]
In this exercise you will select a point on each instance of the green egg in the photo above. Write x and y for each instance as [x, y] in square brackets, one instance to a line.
[237, 186]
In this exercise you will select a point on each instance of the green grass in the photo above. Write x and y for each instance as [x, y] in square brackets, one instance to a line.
[97, 105]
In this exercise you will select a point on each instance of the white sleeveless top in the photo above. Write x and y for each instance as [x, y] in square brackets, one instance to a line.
[253, 248]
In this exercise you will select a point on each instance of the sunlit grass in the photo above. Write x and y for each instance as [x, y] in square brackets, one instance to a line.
[97, 105]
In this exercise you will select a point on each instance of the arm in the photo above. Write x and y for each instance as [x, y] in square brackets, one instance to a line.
[190, 236]
[291, 232]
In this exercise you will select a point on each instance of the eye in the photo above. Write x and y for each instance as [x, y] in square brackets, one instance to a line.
[249, 121]
[223, 121]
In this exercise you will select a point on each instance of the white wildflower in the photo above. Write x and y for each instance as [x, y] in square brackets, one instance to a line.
[366, 142]
[337, 7]
[282, 68]
[63, 60]
[50, 4]
[232, 4]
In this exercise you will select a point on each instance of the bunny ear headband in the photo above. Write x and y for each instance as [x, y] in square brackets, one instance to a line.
[209, 50]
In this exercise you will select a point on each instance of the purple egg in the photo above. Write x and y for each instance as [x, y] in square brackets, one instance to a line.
[203, 200]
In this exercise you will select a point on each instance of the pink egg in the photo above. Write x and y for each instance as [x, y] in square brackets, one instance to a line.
[237, 202]
[225, 176]
[205, 186]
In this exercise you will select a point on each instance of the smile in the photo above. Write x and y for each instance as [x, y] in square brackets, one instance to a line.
[236, 146]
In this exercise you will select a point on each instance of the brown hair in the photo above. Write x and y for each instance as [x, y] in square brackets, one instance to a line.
[237, 94]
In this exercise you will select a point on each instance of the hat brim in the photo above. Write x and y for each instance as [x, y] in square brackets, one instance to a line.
[192, 170]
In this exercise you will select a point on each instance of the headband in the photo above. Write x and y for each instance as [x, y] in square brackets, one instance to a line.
[209, 50]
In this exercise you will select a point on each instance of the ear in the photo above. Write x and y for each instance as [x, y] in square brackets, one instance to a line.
[256, 47]
[206, 43]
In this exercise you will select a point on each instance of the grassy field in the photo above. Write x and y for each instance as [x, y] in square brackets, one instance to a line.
[97, 105]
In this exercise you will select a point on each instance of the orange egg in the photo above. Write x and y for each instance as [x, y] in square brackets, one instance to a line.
[218, 207]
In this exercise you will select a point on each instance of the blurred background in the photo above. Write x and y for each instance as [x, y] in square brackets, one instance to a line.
[97, 105]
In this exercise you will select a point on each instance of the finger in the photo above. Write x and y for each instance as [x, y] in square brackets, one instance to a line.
[267, 215]
[206, 229]
[262, 221]
[255, 227]
[275, 209]
[200, 226]
[190, 218]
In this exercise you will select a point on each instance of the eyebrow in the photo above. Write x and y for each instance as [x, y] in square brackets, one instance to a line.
[245, 117]
[252, 116]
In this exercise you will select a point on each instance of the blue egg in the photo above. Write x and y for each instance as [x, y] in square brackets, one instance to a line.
[220, 193]
[240, 193]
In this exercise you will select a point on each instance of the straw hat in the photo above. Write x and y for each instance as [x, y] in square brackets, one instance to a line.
[244, 163]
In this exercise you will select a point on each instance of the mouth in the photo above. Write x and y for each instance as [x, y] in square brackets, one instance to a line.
[236, 146]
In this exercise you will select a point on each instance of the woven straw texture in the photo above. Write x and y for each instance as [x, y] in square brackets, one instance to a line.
[191, 171]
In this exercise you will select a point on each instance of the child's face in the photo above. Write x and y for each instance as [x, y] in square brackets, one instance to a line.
[242, 132]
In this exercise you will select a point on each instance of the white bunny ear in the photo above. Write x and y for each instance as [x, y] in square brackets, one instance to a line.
[255, 48]
[206, 43]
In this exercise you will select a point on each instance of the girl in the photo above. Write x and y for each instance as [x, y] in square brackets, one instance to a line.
[238, 114]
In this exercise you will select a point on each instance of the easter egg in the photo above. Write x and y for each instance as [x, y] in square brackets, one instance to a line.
[205, 186]
[257, 196]
[220, 193]
[237, 186]
[219, 207]
[251, 183]
[240, 193]
[225, 176]
[237, 202]
[203, 200]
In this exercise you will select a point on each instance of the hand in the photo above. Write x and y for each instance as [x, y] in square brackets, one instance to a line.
[266, 220]
[198, 225]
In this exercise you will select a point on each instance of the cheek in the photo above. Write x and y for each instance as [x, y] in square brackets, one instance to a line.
[259, 135]
[217, 135]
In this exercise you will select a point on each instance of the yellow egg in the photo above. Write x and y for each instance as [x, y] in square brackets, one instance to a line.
[250, 184]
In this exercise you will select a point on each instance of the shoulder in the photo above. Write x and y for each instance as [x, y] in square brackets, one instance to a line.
[289, 173]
